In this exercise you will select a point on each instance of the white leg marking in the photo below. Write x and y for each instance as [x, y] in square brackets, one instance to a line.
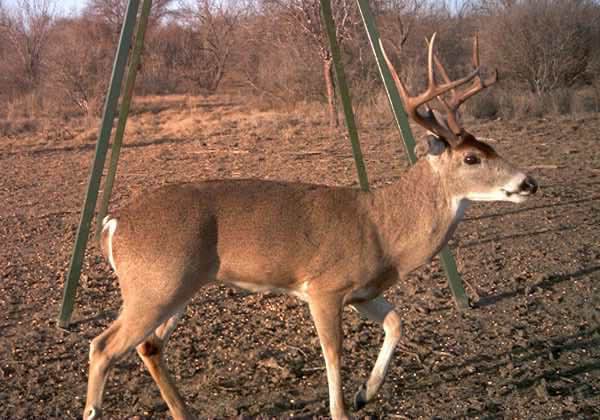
[392, 336]
[381, 311]
[334, 384]
[111, 225]
[91, 351]
[327, 316]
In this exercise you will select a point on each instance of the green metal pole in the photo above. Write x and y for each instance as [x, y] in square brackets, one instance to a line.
[345, 94]
[388, 82]
[132, 71]
[87, 211]
[455, 282]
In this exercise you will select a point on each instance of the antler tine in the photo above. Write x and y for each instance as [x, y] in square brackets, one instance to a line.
[452, 117]
[477, 87]
[440, 68]
[399, 85]
[434, 89]
[450, 129]
[476, 51]
[456, 100]
[492, 79]
[428, 120]
[478, 83]
[430, 75]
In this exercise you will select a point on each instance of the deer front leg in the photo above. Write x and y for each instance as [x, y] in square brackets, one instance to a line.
[326, 312]
[381, 311]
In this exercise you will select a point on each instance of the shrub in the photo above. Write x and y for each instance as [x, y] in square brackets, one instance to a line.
[486, 105]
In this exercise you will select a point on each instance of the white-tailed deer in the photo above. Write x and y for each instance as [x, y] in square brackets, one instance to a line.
[328, 246]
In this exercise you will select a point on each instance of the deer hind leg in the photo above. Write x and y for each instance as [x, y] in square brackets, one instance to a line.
[327, 316]
[381, 311]
[151, 351]
[123, 335]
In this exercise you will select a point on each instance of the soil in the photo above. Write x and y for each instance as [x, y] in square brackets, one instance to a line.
[528, 349]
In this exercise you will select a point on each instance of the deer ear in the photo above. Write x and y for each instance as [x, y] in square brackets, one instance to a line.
[430, 145]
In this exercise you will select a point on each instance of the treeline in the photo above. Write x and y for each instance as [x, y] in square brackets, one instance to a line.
[547, 51]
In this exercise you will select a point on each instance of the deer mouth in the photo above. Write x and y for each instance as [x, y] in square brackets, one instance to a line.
[516, 196]
[522, 193]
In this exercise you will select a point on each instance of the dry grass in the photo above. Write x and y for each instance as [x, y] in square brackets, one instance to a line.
[184, 117]
[516, 104]
[198, 117]
[17, 126]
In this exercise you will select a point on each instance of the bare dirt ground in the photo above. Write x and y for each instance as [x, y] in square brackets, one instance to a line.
[530, 349]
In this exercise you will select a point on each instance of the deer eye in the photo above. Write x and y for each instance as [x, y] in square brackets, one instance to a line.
[472, 160]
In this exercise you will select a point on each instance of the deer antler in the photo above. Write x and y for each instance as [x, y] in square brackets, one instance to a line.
[452, 131]
[457, 99]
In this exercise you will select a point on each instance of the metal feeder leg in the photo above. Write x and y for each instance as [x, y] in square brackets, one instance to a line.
[123, 114]
[345, 94]
[87, 211]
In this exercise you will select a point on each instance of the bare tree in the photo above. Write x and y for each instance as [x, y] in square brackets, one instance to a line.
[210, 38]
[79, 61]
[305, 15]
[399, 19]
[280, 48]
[112, 12]
[277, 61]
[545, 43]
[161, 72]
[26, 30]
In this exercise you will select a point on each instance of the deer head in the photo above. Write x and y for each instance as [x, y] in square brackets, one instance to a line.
[470, 168]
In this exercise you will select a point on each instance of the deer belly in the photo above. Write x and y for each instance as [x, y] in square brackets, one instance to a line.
[299, 292]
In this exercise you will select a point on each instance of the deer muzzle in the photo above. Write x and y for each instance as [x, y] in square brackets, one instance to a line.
[528, 186]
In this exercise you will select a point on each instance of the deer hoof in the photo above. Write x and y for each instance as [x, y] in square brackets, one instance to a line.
[360, 398]
[92, 414]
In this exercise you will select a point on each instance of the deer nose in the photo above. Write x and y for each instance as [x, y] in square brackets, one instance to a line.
[529, 185]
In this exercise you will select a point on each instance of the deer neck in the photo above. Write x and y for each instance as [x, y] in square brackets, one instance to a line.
[416, 216]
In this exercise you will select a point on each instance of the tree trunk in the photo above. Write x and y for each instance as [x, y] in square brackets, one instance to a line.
[329, 86]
